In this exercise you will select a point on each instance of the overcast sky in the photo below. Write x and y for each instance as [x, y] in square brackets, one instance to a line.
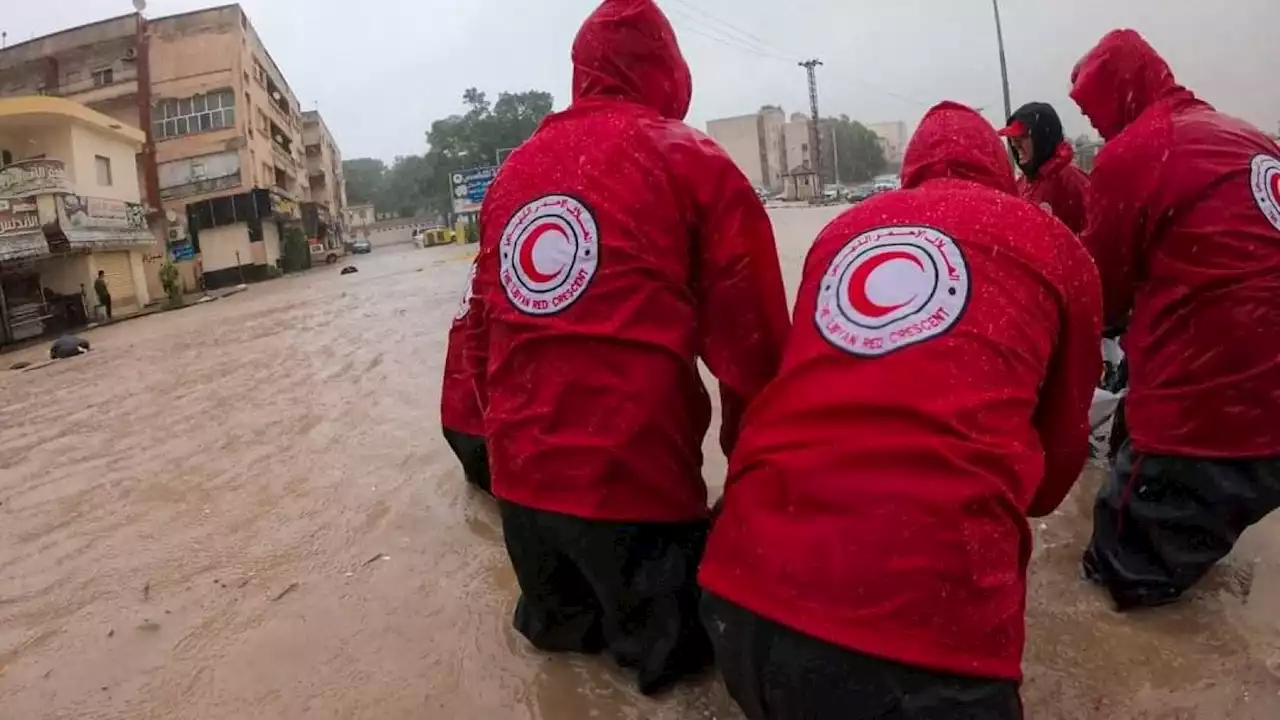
[382, 70]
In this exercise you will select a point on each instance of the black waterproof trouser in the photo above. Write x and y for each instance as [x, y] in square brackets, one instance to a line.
[474, 456]
[1161, 522]
[776, 673]
[627, 589]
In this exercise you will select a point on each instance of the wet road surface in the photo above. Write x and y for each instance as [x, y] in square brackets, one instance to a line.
[245, 510]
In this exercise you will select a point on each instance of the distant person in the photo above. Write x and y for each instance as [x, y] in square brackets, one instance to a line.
[103, 292]
[1050, 178]
[618, 246]
[1185, 229]
[460, 415]
[870, 556]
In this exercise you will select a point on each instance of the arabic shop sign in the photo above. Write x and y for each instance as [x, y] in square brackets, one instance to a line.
[31, 177]
[283, 206]
[18, 216]
[89, 212]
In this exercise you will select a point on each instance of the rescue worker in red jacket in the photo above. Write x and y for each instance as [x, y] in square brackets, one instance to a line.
[618, 246]
[1050, 179]
[872, 548]
[460, 415]
[1185, 229]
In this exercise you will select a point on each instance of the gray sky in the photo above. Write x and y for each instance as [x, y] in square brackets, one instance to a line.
[382, 70]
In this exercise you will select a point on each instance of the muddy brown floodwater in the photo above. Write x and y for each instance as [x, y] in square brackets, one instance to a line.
[245, 510]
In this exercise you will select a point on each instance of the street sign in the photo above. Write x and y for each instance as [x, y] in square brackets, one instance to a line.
[469, 188]
[186, 251]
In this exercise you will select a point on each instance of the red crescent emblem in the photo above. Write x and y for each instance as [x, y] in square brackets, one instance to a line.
[527, 264]
[858, 284]
[1275, 188]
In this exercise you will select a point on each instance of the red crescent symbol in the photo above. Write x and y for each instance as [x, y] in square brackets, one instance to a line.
[858, 284]
[530, 269]
[1275, 188]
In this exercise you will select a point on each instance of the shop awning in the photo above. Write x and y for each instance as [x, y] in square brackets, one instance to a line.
[23, 246]
[85, 239]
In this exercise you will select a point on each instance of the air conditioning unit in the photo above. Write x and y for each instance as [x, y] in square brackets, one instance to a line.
[130, 54]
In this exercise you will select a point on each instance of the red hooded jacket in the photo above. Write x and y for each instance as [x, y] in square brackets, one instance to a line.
[618, 245]
[459, 408]
[1061, 188]
[1185, 230]
[933, 394]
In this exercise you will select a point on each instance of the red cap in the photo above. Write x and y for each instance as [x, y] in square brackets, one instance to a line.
[1014, 130]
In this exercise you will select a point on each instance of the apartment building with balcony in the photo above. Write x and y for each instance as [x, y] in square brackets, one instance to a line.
[323, 214]
[229, 169]
[70, 206]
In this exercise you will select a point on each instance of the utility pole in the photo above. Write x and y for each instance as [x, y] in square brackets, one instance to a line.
[815, 137]
[1004, 67]
[835, 150]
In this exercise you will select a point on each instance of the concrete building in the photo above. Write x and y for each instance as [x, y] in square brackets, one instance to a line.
[323, 212]
[799, 155]
[227, 131]
[357, 218]
[893, 139]
[757, 145]
[70, 206]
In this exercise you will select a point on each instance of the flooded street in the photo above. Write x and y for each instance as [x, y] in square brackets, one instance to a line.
[245, 510]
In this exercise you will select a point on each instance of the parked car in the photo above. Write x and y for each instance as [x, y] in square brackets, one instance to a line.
[886, 183]
[321, 254]
[361, 246]
[862, 192]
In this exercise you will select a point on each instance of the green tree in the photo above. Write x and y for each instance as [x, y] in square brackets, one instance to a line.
[861, 155]
[473, 139]
[365, 178]
[408, 186]
[418, 184]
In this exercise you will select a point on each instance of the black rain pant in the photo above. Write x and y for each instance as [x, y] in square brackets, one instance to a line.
[474, 456]
[1161, 522]
[627, 589]
[776, 673]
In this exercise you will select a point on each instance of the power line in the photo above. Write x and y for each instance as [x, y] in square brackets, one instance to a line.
[725, 24]
[709, 31]
[734, 37]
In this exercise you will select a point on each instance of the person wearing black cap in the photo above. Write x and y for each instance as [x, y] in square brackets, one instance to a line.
[1049, 178]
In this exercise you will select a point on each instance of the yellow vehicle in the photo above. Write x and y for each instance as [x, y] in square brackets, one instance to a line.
[437, 236]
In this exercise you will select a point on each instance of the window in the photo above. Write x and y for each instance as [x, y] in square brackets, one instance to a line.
[103, 167]
[264, 125]
[6, 158]
[105, 76]
[199, 113]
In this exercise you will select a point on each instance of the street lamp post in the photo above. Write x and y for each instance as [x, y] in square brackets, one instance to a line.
[1004, 67]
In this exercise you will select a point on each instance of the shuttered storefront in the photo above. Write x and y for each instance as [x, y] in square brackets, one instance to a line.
[119, 272]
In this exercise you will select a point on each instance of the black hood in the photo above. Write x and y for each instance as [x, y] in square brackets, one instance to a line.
[1041, 121]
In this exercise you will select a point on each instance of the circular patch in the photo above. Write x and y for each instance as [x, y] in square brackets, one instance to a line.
[549, 252]
[468, 292]
[890, 288]
[1265, 182]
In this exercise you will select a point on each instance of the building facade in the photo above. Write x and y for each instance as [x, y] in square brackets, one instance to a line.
[358, 218]
[229, 169]
[756, 144]
[765, 145]
[323, 210]
[893, 139]
[70, 206]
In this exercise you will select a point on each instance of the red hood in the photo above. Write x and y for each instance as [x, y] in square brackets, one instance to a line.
[627, 50]
[1119, 79]
[954, 141]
